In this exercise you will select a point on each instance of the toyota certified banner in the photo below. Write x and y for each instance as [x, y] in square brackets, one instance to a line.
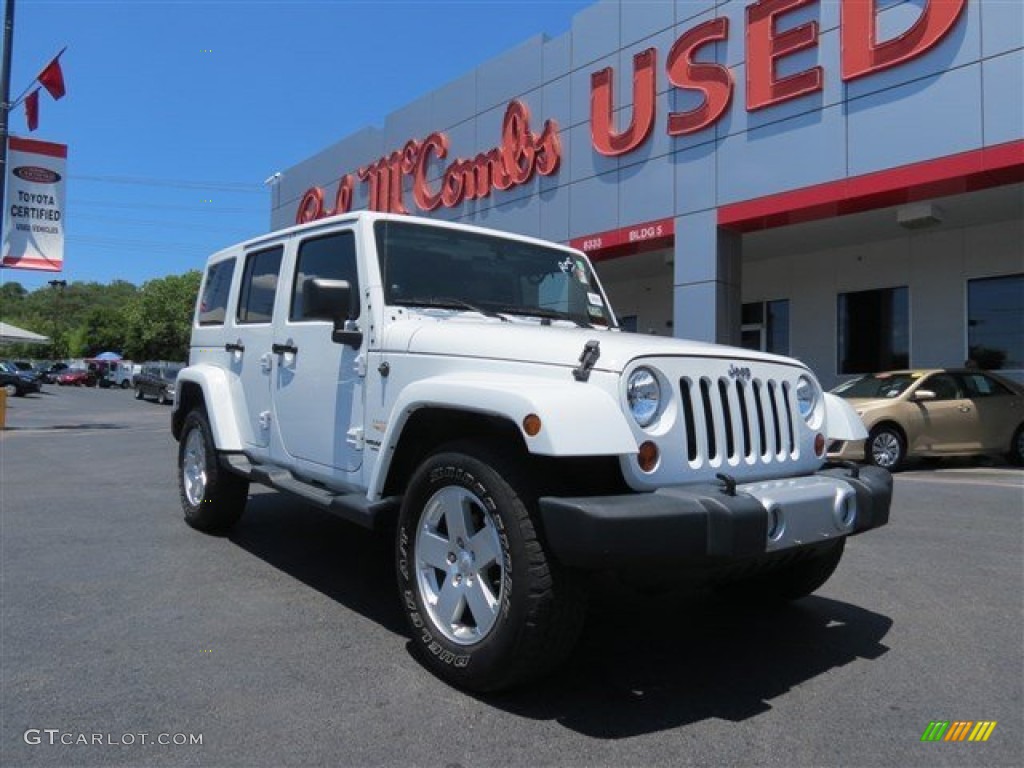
[34, 205]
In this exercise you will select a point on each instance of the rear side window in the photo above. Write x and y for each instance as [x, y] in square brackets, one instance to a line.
[332, 257]
[259, 286]
[213, 303]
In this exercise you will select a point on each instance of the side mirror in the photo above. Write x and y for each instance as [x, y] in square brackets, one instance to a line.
[332, 300]
[923, 395]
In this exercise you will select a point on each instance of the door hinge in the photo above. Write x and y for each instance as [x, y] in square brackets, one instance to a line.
[354, 437]
[360, 365]
[264, 419]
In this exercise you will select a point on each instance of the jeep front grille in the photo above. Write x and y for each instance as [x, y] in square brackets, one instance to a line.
[731, 420]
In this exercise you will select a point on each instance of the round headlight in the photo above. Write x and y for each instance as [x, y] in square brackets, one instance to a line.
[644, 396]
[806, 397]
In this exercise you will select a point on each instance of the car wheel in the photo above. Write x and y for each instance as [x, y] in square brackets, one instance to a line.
[886, 448]
[162, 398]
[212, 498]
[124, 384]
[1016, 455]
[138, 393]
[10, 390]
[789, 582]
[487, 607]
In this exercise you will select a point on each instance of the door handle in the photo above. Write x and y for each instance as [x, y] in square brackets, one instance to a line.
[234, 347]
[280, 349]
[965, 409]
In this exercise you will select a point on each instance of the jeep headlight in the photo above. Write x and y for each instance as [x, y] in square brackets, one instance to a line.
[643, 393]
[807, 397]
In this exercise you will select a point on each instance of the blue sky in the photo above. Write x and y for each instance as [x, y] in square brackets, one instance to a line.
[172, 104]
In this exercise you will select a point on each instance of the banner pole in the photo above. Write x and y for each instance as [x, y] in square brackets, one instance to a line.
[5, 111]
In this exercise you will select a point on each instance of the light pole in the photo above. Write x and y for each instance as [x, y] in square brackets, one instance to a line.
[58, 291]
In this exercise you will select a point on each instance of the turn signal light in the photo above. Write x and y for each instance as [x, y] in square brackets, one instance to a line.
[647, 457]
[819, 445]
[531, 425]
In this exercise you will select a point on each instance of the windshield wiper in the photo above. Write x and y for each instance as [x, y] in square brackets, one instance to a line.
[547, 314]
[446, 302]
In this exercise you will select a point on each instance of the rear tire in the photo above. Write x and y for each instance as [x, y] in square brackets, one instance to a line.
[1016, 454]
[487, 606]
[138, 393]
[212, 498]
[10, 390]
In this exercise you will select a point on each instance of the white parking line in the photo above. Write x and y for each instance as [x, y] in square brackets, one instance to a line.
[940, 480]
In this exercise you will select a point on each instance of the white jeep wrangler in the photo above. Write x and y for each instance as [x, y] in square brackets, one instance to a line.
[471, 389]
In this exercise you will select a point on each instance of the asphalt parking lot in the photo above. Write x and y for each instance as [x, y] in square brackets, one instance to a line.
[283, 644]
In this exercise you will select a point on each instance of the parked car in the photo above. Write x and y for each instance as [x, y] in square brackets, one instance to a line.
[79, 377]
[15, 382]
[936, 412]
[51, 372]
[157, 380]
[27, 368]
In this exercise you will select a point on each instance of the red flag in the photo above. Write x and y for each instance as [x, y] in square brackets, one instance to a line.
[32, 109]
[52, 78]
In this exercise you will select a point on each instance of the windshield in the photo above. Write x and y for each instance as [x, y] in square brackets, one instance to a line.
[432, 267]
[877, 385]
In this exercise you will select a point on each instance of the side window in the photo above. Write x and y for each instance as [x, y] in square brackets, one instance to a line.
[979, 385]
[259, 286]
[332, 257]
[213, 303]
[943, 385]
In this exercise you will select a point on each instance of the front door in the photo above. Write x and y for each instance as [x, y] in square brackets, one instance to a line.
[249, 345]
[948, 421]
[318, 385]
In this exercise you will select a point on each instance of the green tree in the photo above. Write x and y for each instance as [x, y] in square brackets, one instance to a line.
[158, 321]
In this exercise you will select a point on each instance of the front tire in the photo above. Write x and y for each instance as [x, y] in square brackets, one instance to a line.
[10, 390]
[138, 393]
[212, 498]
[886, 448]
[487, 607]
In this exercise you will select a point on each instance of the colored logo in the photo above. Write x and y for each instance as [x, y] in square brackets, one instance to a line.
[958, 730]
[36, 174]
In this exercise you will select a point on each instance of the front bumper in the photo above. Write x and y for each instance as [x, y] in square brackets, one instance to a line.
[705, 525]
[846, 450]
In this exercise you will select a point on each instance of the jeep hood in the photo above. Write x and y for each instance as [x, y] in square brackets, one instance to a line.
[528, 342]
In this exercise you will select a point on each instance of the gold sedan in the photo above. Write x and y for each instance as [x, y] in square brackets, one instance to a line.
[937, 412]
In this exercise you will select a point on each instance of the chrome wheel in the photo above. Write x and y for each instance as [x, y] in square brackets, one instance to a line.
[886, 450]
[459, 566]
[10, 390]
[193, 468]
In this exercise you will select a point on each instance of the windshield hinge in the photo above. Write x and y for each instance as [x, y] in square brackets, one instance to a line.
[591, 352]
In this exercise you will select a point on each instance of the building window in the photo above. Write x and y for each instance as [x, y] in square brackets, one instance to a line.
[765, 326]
[874, 330]
[995, 322]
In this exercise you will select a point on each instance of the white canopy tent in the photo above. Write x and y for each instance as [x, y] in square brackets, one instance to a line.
[12, 334]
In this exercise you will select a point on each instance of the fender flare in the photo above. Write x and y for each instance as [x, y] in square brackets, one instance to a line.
[841, 420]
[216, 392]
[576, 420]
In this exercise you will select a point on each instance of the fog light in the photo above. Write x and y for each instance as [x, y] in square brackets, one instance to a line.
[819, 445]
[647, 457]
[845, 509]
[776, 523]
[531, 425]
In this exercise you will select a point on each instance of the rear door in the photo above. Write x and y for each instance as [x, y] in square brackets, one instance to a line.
[250, 341]
[999, 411]
[318, 385]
